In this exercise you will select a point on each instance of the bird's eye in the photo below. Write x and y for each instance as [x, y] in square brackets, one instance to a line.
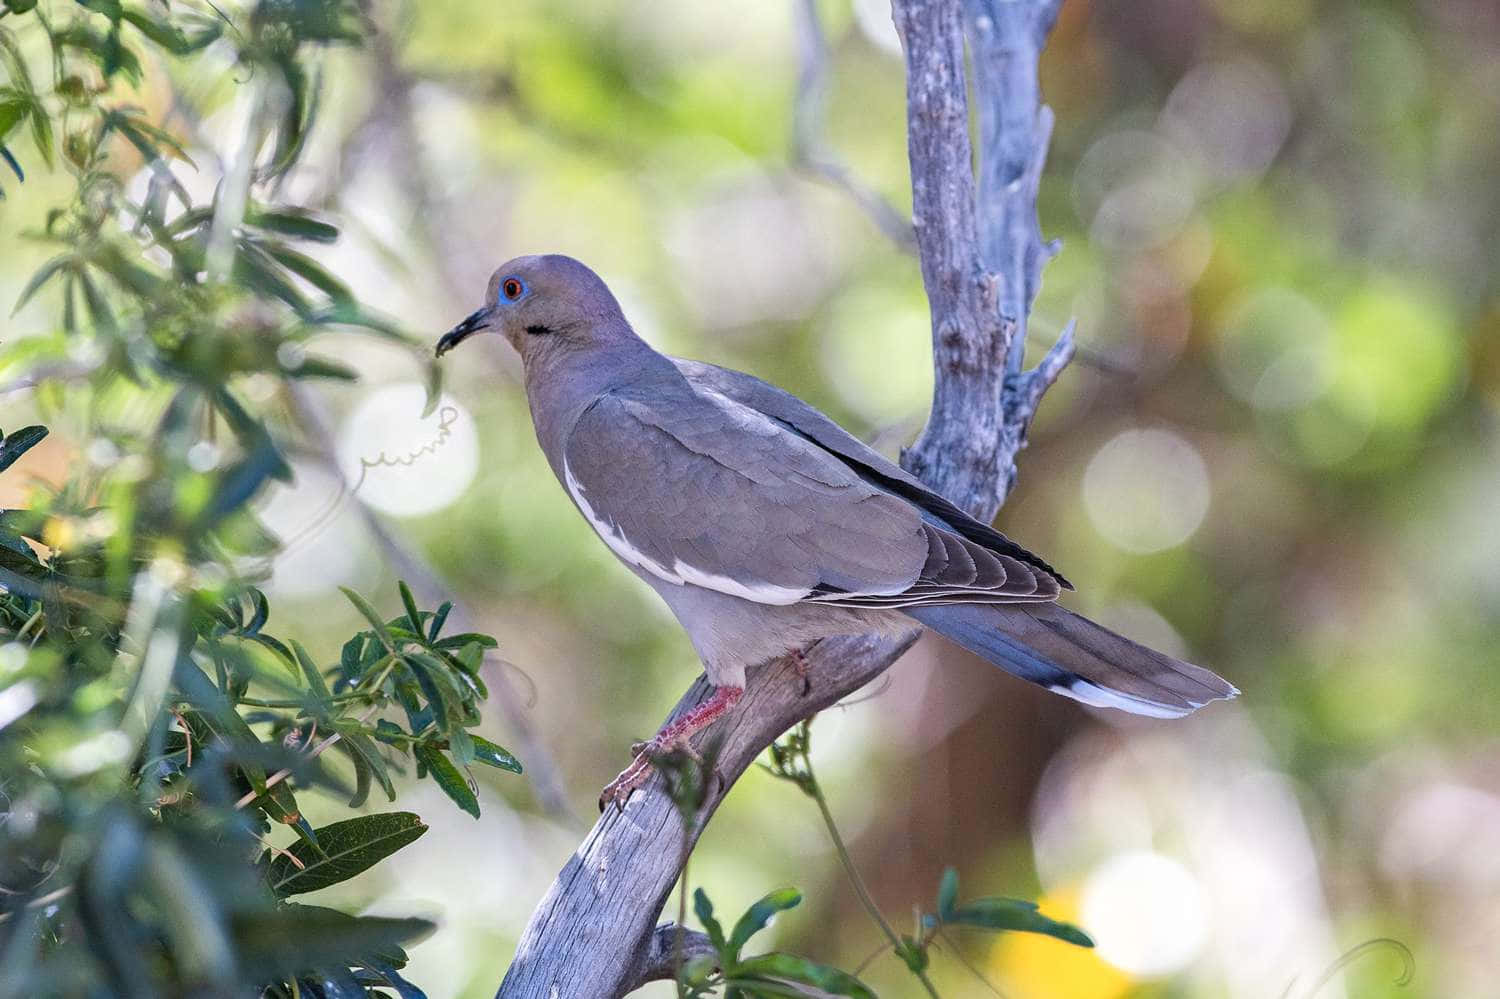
[511, 288]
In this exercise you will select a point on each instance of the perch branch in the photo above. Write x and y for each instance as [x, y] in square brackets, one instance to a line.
[594, 933]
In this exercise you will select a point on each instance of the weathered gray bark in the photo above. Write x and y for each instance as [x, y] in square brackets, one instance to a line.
[594, 934]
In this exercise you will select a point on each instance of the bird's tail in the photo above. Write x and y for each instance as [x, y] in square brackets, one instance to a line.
[1072, 655]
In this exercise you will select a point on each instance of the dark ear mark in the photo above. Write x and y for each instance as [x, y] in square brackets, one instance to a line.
[538, 330]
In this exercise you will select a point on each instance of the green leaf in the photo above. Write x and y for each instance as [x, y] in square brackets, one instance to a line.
[448, 778]
[41, 133]
[41, 277]
[361, 744]
[792, 968]
[144, 136]
[321, 367]
[461, 745]
[947, 894]
[240, 482]
[409, 602]
[254, 268]
[274, 644]
[704, 909]
[470, 658]
[251, 432]
[14, 165]
[488, 753]
[361, 772]
[291, 222]
[168, 36]
[103, 315]
[19, 443]
[12, 59]
[350, 847]
[438, 620]
[758, 915]
[262, 610]
[292, 938]
[12, 111]
[464, 638]
[436, 693]
[377, 625]
[308, 270]
[1017, 915]
[315, 684]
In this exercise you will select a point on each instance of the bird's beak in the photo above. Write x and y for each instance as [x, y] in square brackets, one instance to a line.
[478, 320]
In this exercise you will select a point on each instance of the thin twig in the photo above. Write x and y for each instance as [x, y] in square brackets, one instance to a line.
[282, 774]
[855, 878]
[808, 153]
[61, 372]
[41, 901]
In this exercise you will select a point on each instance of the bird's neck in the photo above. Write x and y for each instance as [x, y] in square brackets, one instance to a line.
[562, 383]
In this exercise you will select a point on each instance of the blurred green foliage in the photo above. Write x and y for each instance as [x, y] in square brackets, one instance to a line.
[154, 733]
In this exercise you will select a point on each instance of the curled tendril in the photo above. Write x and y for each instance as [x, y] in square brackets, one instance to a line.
[1408, 964]
[447, 417]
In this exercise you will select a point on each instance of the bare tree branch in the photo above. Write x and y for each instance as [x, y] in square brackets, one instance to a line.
[661, 954]
[594, 933]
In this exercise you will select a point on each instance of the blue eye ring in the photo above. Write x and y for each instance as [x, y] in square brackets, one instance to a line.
[512, 288]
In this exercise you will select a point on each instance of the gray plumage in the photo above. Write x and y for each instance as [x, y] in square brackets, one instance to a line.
[764, 525]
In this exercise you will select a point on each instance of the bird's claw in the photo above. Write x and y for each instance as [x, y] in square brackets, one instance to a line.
[634, 776]
[619, 790]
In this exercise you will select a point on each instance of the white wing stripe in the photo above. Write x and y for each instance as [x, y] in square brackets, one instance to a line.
[680, 572]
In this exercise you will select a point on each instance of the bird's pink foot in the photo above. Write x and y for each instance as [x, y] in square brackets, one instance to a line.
[672, 736]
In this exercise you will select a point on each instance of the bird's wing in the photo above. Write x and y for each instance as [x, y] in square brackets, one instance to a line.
[696, 488]
[807, 422]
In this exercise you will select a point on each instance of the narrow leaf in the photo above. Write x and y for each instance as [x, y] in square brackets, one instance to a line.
[349, 848]
[291, 222]
[19, 443]
[376, 624]
[1017, 915]
[409, 602]
[793, 968]
[315, 684]
[448, 778]
[41, 277]
[947, 894]
[438, 620]
[704, 909]
[292, 938]
[758, 915]
[487, 752]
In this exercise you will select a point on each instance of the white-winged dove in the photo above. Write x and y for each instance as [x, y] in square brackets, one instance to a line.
[765, 526]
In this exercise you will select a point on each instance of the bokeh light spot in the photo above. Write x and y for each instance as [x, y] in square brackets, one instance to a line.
[405, 464]
[1147, 913]
[1136, 188]
[1276, 350]
[1146, 490]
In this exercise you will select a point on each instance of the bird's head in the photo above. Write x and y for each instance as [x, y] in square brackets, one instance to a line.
[540, 304]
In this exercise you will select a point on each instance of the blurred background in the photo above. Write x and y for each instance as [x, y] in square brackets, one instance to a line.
[1278, 457]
